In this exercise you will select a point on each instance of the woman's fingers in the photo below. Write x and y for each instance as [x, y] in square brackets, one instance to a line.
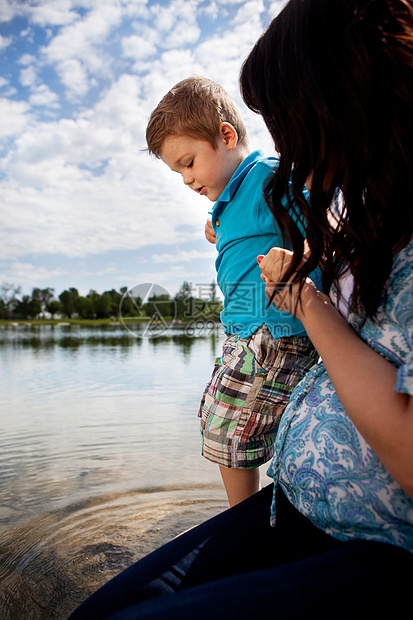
[284, 295]
[275, 264]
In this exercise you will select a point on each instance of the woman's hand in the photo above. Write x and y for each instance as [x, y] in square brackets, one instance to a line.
[287, 295]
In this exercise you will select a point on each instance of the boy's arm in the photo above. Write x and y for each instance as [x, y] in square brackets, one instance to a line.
[209, 232]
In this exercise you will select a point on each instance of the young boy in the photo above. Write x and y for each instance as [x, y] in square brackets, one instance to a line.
[197, 131]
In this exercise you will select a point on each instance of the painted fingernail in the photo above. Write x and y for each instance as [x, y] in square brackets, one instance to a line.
[259, 258]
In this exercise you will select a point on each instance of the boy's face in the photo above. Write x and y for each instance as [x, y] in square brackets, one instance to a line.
[204, 169]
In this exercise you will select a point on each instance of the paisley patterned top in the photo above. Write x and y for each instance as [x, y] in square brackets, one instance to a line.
[325, 467]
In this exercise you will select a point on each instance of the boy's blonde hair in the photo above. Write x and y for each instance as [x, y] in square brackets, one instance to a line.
[194, 107]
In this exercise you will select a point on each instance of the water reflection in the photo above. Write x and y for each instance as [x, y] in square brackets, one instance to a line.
[99, 457]
[38, 336]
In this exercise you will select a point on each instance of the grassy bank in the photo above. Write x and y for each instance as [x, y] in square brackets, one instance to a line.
[86, 322]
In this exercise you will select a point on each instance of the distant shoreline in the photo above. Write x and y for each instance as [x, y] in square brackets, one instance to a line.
[91, 322]
[88, 322]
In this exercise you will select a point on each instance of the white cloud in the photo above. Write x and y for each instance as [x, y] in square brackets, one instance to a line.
[101, 272]
[170, 68]
[120, 109]
[27, 273]
[73, 211]
[171, 279]
[137, 9]
[54, 12]
[9, 9]
[4, 42]
[7, 90]
[211, 9]
[275, 7]
[77, 50]
[182, 33]
[74, 77]
[184, 256]
[138, 47]
[13, 117]
[42, 96]
[230, 2]
[28, 76]
[27, 59]
[176, 23]
[80, 185]
[248, 12]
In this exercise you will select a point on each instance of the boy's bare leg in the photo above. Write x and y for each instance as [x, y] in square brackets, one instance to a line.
[240, 483]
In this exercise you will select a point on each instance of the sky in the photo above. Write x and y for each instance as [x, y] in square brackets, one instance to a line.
[82, 203]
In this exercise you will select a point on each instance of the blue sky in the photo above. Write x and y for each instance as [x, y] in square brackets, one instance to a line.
[82, 204]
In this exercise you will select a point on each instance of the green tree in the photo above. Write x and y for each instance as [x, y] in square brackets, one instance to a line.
[104, 306]
[184, 301]
[94, 296]
[43, 296]
[129, 306]
[54, 307]
[213, 307]
[115, 302]
[8, 299]
[27, 308]
[84, 307]
[161, 305]
[213, 291]
[67, 299]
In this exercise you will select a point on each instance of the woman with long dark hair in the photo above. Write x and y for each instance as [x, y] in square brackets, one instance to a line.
[333, 80]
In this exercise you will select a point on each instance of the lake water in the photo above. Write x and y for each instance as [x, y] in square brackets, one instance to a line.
[99, 456]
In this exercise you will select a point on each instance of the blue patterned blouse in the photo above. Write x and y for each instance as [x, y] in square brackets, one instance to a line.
[323, 464]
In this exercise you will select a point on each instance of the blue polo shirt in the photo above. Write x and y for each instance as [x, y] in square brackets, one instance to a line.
[245, 227]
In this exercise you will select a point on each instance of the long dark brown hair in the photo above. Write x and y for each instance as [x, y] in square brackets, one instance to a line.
[333, 80]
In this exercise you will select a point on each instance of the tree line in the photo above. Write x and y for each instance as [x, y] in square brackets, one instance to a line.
[69, 304]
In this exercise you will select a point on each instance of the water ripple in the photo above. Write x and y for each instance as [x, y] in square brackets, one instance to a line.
[49, 564]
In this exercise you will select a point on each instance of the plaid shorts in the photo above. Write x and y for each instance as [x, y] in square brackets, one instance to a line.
[249, 389]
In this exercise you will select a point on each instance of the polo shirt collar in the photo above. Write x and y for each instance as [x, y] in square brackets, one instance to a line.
[238, 176]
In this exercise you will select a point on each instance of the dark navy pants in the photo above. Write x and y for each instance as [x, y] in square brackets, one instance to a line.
[236, 566]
